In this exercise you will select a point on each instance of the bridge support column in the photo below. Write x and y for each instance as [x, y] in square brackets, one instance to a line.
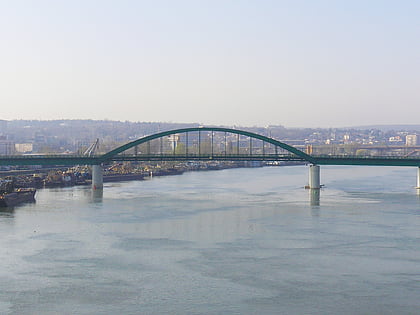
[314, 177]
[418, 178]
[97, 177]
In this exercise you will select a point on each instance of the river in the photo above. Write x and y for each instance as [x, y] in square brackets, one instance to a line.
[236, 241]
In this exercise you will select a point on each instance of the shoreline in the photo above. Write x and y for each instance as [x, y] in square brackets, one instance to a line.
[64, 177]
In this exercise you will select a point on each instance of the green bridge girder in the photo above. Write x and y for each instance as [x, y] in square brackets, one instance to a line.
[367, 160]
[296, 155]
[53, 159]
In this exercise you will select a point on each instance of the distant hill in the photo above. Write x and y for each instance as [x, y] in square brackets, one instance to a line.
[390, 127]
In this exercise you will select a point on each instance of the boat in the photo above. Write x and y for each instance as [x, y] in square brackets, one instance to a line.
[16, 197]
[122, 177]
[11, 196]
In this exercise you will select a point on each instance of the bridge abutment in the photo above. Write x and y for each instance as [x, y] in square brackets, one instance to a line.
[314, 177]
[97, 177]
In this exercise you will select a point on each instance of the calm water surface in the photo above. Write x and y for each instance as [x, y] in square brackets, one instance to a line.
[239, 241]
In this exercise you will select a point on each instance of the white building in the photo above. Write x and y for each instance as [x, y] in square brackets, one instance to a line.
[24, 147]
[411, 140]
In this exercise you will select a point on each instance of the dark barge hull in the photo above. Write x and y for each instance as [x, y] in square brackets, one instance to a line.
[17, 197]
[122, 177]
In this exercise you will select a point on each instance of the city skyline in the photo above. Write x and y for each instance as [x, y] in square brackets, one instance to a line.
[249, 63]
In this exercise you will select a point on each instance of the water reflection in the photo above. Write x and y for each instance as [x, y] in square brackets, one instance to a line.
[7, 211]
[198, 226]
[97, 195]
[314, 197]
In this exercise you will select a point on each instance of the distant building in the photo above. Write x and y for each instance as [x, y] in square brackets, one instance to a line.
[332, 141]
[395, 140]
[24, 147]
[411, 140]
[346, 138]
[7, 147]
[173, 139]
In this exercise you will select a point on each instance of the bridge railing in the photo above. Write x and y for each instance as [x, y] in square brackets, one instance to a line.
[374, 157]
[48, 159]
[32, 156]
[222, 156]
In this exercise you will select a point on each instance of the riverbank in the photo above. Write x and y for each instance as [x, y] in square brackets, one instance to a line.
[81, 175]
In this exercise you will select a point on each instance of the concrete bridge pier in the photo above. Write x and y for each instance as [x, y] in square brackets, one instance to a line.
[314, 177]
[418, 178]
[97, 177]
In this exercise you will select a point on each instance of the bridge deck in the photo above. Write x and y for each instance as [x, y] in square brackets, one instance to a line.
[316, 159]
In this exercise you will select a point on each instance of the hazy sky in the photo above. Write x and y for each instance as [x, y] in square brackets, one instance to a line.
[293, 63]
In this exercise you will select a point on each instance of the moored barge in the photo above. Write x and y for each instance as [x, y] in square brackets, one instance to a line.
[16, 197]
[10, 196]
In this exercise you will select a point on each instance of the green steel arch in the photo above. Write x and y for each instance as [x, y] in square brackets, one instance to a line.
[111, 154]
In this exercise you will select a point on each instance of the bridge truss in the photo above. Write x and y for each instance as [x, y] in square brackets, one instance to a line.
[218, 144]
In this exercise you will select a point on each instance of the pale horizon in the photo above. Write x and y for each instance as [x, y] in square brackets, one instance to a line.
[246, 63]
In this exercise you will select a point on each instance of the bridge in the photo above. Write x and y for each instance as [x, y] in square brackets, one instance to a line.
[210, 144]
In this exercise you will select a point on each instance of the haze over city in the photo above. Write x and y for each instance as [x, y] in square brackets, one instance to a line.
[294, 63]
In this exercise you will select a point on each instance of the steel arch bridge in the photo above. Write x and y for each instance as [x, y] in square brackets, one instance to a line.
[207, 143]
